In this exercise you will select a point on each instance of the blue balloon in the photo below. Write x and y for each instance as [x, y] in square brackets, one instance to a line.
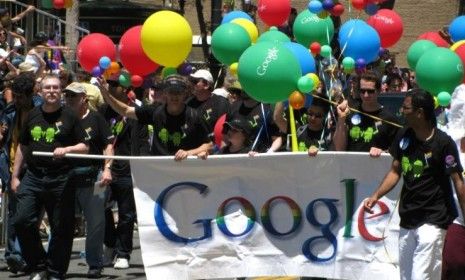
[96, 71]
[315, 6]
[303, 55]
[371, 9]
[104, 62]
[359, 40]
[348, 27]
[457, 29]
[235, 14]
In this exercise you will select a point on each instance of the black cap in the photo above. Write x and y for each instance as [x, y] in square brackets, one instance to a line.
[175, 84]
[239, 124]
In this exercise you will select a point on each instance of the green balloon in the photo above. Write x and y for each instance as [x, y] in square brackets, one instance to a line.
[305, 84]
[309, 28]
[268, 72]
[47, 4]
[168, 71]
[274, 36]
[326, 51]
[348, 63]
[229, 41]
[439, 69]
[416, 50]
[444, 98]
[124, 79]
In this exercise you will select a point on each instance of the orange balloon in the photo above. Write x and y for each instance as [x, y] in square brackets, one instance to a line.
[297, 100]
[114, 67]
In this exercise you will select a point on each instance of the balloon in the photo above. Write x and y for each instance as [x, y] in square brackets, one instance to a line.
[228, 43]
[444, 98]
[306, 61]
[168, 71]
[348, 63]
[166, 38]
[358, 4]
[218, 130]
[274, 12]
[96, 71]
[309, 28]
[460, 51]
[268, 72]
[305, 84]
[389, 26]
[457, 29]
[337, 10]
[68, 3]
[315, 6]
[58, 4]
[316, 80]
[132, 54]
[274, 36]
[371, 9]
[323, 14]
[234, 15]
[104, 62]
[114, 68]
[416, 50]
[328, 4]
[124, 79]
[47, 4]
[439, 69]
[457, 44]
[326, 51]
[297, 100]
[360, 63]
[315, 48]
[249, 27]
[185, 69]
[233, 68]
[435, 38]
[359, 40]
[92, 47]
[136, 81]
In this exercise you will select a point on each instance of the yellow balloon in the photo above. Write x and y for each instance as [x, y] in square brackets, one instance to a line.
[68, 3]
[436, 102]
[249, 26]
[166, 38]
[316, 80]
[456, 45]
[233, 68]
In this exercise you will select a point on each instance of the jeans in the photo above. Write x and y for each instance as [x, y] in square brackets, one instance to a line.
[120, 238]
[51, 191]
[12, 248]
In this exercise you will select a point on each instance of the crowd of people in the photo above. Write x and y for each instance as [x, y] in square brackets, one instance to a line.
[46, 107]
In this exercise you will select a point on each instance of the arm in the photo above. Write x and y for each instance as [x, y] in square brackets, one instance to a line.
[459, 190]
[278, 117]
[388, 183]
[106, 174]
[79, 148]
[201, 150]
[277, 143]
[118, 106]
[340, 135]
[17, 166]
[20, 16]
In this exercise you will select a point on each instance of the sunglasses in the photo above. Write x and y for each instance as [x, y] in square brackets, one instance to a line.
[370, 91]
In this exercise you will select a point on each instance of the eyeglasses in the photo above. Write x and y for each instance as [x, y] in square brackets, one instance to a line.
[51, 87]
[370, 91]
[315, 115]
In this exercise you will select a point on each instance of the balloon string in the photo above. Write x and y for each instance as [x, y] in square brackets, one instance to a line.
[294, 146]
[360, 112]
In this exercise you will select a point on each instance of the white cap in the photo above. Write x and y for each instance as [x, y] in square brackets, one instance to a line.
[221, 92]
[203, 74]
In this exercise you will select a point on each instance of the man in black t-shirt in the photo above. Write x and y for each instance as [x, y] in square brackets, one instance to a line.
[360, 133]
[427, 159]
[208, 106]
[48, 128]
[177, 128]
[90, 187]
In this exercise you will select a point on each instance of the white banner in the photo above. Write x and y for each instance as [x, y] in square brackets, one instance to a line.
[282, 214]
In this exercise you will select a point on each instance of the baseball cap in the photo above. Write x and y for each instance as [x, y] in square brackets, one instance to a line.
[221, 92]
[203, 74]
[175, 84]
[236, 86]
[240, 124]
[26, 67]
[75, 88]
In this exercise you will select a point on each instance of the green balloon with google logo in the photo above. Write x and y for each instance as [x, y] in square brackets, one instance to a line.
[268, 72]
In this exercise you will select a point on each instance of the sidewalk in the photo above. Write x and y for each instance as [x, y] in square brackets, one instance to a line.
[78, 268]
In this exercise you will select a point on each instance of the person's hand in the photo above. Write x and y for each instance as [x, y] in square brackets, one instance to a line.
[252, 153]
[375, 152]
[102, 84]
[369, 203]
[59, 152]
[106, 177]
[181, 155]
[14, 184]
[343, 110]
[203, 155]
[312, 151]
[30, 8]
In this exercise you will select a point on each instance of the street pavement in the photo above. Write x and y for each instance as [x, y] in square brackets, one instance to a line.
[78, 267]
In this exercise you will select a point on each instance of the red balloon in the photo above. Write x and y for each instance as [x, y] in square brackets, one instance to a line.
[218, 130]
[58, 4]
[358, 4]
[389, 26]
[136, 80]
[274, 12]
[460, 51]
[92, 47]
[315, 48]
[435, 38]
[132, 55]
[337, 10]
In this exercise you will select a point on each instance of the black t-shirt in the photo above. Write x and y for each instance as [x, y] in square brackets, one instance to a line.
[170, 133]
[307, 138]
[365, 132]
[426, 195]
[255, 116]
[99, 133]
[210, 110]
[47, 131]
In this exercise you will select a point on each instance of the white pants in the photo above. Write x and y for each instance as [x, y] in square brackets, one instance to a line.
[420, 252]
